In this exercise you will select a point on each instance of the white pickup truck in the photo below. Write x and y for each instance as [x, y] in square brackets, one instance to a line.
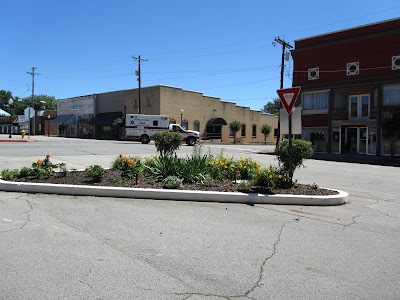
[141, 128]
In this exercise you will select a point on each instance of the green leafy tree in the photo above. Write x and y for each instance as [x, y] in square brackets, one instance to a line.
[301, 150]
[235, 126]
[4, 96]
[167, 142]
[40, 102]
[272, 107]
[266, 130]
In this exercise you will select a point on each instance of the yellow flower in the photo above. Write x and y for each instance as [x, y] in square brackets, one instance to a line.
[280, 176]
[270, 176]
[269, 171]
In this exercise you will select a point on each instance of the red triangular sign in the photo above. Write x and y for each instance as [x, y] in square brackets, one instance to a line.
[288, 97]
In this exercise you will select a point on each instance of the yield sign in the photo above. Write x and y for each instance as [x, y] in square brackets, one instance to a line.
[288, 97]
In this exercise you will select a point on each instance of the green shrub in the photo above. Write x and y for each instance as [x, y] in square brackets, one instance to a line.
[131, 167]
[222, 168]
[270, 178]
[172, 182]
[95, 172]
[44, 169]
[8, 174]
[161, 167]
[167, 142]
[248, 168]
[191, 169]
[302, 150]
[25, 172]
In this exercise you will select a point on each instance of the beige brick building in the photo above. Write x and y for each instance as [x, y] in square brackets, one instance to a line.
[208, 115]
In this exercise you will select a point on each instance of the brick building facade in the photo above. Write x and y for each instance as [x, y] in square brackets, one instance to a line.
[350, 83]
[193, 110]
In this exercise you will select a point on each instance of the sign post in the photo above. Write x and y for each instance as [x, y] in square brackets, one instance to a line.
[29, 113]
[288, 98]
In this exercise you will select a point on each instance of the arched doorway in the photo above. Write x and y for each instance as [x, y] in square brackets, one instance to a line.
[214, 128]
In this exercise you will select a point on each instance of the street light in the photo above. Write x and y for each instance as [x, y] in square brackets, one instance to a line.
[48, 125]
[10, 105]
[181, 115]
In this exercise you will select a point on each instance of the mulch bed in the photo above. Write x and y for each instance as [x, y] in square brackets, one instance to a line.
[112, 179]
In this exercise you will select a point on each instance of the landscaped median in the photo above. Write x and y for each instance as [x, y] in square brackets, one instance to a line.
[168, 194]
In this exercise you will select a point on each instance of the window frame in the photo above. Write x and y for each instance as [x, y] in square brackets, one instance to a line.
[314, 110]
[359, 107]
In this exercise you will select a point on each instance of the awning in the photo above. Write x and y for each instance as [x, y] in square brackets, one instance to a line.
[3, 113]
[216, 121]
[63, 119]
[105, 118]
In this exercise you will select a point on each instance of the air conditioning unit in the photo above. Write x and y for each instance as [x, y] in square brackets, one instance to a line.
[313, 73]
[396, 62]
[353, 68]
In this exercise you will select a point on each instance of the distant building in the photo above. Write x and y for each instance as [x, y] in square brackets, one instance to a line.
[350, 83]
[93, 116]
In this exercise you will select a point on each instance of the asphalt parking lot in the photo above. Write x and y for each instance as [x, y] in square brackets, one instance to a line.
[64, 247]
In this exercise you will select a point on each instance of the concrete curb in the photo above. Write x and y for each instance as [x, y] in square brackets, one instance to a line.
[177, 195]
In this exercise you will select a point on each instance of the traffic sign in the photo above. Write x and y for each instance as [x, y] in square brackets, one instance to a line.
[288, 97]
[29, 112]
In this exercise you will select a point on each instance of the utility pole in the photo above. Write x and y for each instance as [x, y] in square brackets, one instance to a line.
[33, 99]
[138, 73]
[284, 46]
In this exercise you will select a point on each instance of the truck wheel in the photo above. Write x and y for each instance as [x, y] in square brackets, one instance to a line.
[191, 141]
[145, 139]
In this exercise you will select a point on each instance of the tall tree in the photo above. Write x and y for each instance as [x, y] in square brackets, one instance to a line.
[41, 102]
[272, 107]
[4, 96]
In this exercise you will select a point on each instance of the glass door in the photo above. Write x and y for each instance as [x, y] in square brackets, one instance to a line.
[356, 140]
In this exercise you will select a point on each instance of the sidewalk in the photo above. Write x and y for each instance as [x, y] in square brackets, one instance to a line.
[16, 138]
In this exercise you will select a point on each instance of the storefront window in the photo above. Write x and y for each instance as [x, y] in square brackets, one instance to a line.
[391, 94]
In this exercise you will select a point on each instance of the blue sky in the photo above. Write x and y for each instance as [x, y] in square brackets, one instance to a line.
[219, 48]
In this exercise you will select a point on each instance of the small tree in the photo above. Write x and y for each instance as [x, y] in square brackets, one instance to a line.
[235, 126]
[266, 130]
[167, 142]
[301, 150]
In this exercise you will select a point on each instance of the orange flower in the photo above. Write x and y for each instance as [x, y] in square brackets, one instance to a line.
[121, 156]
[39, 162]
[47, 156]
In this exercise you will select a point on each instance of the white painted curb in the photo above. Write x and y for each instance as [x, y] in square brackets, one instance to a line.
[160, 194]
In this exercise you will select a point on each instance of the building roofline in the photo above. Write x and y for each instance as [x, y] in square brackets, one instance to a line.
[347, 29]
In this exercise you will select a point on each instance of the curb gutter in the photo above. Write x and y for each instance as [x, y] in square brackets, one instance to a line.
[176, 195]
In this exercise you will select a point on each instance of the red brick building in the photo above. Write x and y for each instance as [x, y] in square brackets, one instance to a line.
[350, 83]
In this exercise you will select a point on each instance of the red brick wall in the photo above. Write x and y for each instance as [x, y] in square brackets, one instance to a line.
[314, 120]
[332, 52]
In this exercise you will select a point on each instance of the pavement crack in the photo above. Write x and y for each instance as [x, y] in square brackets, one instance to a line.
[258, 284]
[28, 218]
[353, 221]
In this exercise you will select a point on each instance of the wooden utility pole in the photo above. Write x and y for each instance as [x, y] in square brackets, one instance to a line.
[284, 46]
[138, 73]
[33, 99]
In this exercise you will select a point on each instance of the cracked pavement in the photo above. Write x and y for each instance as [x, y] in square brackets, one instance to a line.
[62, 247]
